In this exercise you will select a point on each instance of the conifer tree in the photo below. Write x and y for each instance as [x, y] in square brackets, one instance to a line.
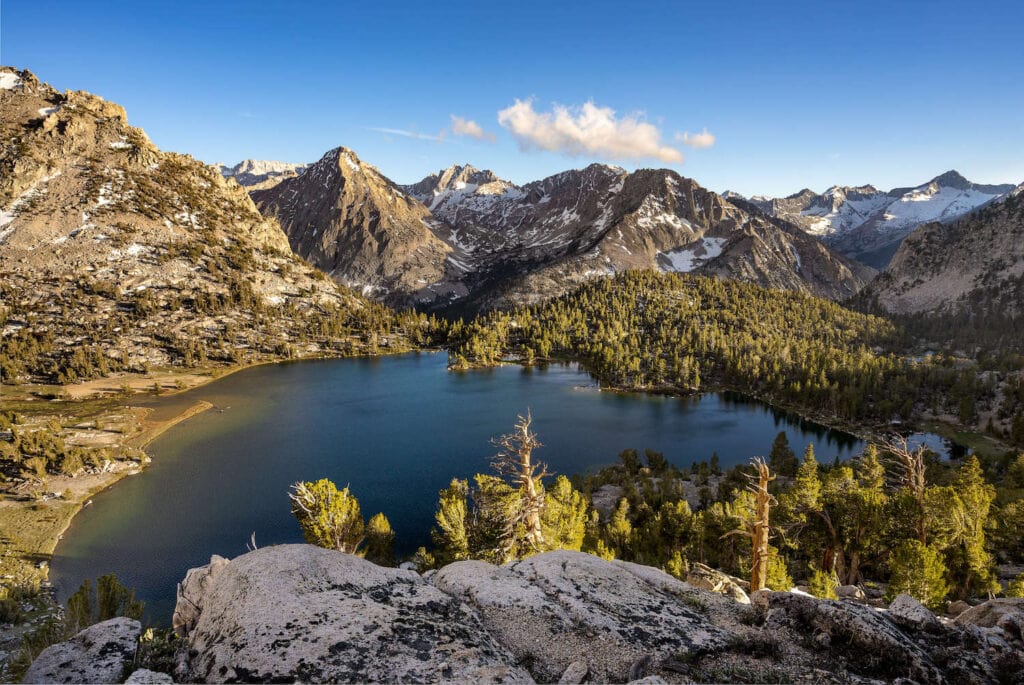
[328, 517]
[380, 541]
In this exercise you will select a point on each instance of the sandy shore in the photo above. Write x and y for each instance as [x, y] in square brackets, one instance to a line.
[32, 528]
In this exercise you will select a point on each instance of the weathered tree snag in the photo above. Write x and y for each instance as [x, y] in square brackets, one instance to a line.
[515, 459]
[759, 532]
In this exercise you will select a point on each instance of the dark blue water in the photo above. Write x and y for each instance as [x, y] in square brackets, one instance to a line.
[396, 430]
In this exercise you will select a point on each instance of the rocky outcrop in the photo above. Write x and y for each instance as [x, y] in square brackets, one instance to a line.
[102, 653]
[296, 612]
[302, 612]
[1007, 614]
[712, 580]
[608, 615]
[130, 256]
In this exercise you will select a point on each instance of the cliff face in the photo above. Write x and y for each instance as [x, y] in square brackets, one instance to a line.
[300, 612]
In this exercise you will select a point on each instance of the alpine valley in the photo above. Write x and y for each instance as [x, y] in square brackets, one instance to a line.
[132, 279]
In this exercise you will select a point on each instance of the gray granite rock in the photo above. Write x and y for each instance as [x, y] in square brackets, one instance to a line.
[144, 676]
[907, 611]
[605, 614]
[298, 612]
[102, 653]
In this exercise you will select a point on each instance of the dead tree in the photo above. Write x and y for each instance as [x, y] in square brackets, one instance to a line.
[757, 528]
[909, 472]
[515, 460]
[763, 501]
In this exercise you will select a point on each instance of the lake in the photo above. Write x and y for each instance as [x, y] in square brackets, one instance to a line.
[396, 430]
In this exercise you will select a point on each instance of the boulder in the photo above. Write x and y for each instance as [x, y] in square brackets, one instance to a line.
[607, 615]
[576, 673]
[144, 676]
[907, 611]
[956, 608]
[708, 578]
[101, 653]
[851, 631]
[850, 592]
[298, 612]
[1005, 613]
[191, 592]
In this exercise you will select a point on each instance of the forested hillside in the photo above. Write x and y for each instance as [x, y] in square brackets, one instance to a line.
[683, 333]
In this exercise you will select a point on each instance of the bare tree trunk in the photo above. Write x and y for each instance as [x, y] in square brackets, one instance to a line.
[911, 474]
[759, 534]
[516, 460]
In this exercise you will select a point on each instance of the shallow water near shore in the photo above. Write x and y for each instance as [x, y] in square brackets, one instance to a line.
[396, 430]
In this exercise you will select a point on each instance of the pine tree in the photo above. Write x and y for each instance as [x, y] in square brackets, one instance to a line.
[450, 534]
[919, 571]
[328, 517]
[782, 460]
[564, 517]
[380, 541]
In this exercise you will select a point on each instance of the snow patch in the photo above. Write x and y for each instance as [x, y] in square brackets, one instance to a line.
[351, 164]
[9, 80]
[686, 259]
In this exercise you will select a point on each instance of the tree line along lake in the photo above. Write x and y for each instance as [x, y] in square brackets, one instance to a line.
[394, 429]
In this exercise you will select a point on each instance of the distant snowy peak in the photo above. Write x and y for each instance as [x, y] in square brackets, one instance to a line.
[867, 224]
[258, 173]
[452, 186]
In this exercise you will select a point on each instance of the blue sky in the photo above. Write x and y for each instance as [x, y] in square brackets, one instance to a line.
[795, 94]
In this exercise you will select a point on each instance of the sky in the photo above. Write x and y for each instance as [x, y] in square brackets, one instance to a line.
[760, 98]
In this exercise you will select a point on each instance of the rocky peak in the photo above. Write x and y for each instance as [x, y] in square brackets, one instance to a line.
[355, 224]
[952, 179]
[257, 174]
[88, 205]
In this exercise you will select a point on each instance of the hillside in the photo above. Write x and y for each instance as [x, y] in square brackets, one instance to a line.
[974, 265]
[868, 224]
[115, 255]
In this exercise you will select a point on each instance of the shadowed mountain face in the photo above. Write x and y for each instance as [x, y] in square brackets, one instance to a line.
[356, 225]
[974, 264]
[464, 240]
[868, 224]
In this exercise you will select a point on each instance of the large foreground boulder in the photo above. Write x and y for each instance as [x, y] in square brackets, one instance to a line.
[102, 653]
[298, 612]
[562, 607]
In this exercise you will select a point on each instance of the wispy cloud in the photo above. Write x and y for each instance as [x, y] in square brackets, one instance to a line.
[697, 140]
[248, 115]
[586, 130]
[439, 138]
[469, 128]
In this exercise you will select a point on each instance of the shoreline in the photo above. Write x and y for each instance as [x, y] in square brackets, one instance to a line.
[42, 524]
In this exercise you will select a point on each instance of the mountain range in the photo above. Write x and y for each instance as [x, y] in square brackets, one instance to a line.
[868, 224]
[464, 240]
[974, 265]
[87, 198]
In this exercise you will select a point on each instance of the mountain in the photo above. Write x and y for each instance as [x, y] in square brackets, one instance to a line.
[514, 244]
[116, 255]
[867, 224]
[346, 218]
[975, 264]
[256, 174]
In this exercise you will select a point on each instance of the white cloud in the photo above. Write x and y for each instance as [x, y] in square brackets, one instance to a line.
[697, 140]
[468, 127]
[586, 130]
[407, 134]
